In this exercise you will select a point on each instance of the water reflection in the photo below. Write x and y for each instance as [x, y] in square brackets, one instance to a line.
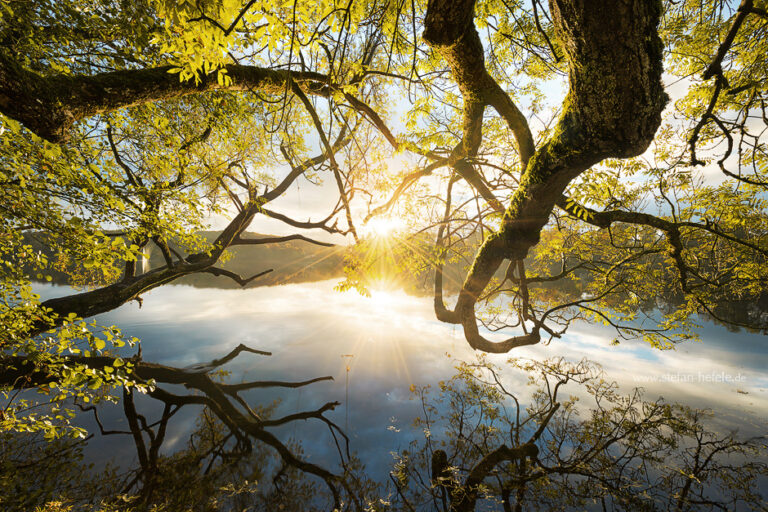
[396, 343]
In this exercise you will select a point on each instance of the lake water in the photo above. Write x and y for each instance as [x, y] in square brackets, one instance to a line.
[396, 341]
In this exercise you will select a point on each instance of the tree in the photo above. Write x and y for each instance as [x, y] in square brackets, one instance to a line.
[128, 124]
[545, 451]
[610, 112]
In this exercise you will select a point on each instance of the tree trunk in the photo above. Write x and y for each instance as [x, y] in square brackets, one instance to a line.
[612, 110]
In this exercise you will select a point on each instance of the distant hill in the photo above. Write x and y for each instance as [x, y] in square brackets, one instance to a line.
[295, 261]
[300, 262]
[292, 262]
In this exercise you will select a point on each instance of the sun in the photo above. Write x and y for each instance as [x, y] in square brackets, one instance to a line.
[382, 227]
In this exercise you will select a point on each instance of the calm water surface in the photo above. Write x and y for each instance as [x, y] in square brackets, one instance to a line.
[396, 341]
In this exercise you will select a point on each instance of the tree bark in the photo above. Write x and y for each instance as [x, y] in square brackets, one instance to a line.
[612, 110]
[50, 105]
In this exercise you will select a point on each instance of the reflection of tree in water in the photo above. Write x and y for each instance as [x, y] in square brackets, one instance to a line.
[231, 453]
[484, 448]
[34, 471]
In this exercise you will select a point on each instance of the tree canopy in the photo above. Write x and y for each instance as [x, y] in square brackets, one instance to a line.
[577, 160]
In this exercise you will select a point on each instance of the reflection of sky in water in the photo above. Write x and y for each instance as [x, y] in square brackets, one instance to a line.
[396, 342]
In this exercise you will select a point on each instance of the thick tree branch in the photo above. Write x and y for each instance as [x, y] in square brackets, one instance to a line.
[450, 30]
[608, 112]
[49, 105]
